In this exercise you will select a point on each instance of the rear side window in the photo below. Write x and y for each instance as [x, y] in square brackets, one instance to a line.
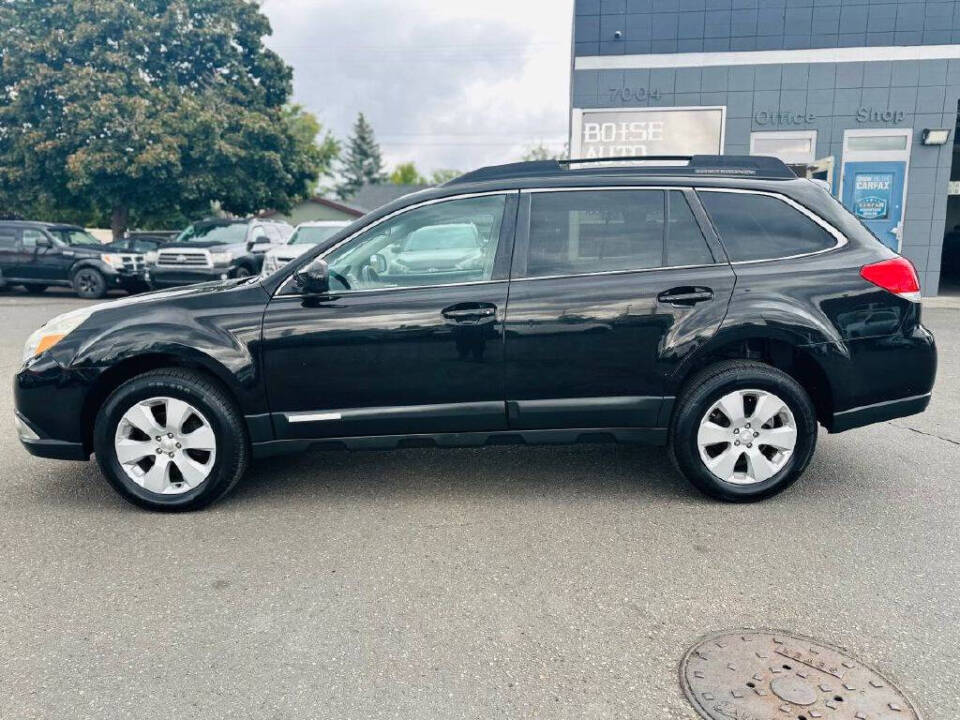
[761, 227]
[8, 239]
[590, 231]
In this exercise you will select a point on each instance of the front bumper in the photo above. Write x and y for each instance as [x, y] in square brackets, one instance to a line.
[128, 280]
[46, 447]
[165, 277]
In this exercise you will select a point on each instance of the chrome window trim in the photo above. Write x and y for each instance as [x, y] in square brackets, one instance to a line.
[837, 235]
[467, 196]
[616, 272]
[595, 188]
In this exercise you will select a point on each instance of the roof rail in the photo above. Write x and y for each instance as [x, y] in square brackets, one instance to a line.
[750, 166]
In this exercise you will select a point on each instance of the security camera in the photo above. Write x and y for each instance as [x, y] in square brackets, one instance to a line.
[618, 35]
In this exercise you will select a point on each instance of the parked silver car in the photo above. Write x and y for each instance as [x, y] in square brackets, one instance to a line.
[305, 237]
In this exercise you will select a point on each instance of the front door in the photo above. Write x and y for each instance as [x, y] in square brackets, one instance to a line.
[409, 340]
[611, 290]
[873, 191]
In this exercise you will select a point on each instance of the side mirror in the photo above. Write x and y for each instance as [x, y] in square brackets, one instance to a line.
[43, 242]
[313, 279]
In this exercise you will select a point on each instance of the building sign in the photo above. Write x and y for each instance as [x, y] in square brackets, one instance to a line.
[871, 195]
[642, 132]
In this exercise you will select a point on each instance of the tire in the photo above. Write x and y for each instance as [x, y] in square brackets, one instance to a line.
[210, 406]
[89, 283]
[699, 419]
[242, 272]
[34, 289]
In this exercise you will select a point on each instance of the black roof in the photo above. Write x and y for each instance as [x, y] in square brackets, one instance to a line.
[744, 166]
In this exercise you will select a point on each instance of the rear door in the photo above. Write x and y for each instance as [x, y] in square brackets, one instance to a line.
[610, 290]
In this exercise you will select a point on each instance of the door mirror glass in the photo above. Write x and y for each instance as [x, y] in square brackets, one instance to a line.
[313, 279]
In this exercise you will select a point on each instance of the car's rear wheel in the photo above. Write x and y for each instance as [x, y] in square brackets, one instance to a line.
[242, 272]
[743, 431]
[34, 289]
[171, 440]
[89, 283]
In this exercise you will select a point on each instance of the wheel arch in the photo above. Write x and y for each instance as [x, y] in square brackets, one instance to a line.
[804, 363]
[131, 367]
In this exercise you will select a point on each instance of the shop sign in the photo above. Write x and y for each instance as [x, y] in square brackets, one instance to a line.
[871, 195]
[653, 131]
[877, 115]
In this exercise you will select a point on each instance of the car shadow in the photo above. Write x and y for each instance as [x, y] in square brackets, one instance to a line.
[597, 470]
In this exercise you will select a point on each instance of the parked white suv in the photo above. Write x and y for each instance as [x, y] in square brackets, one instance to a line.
[305, 237]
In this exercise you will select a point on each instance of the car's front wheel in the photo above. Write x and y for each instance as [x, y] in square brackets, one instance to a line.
[89, 283]
[743, 431]
[171, 440]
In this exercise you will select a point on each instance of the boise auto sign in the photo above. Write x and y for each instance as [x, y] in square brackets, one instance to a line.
[656, 131]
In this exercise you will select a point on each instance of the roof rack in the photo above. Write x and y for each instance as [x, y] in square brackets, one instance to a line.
[749, 166]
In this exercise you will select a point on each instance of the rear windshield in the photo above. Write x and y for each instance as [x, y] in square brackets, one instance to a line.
[761, 227]
[212, 233]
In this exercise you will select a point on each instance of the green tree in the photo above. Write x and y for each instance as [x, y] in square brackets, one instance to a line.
[145, 110]
[439, 177]
[313, 142]
[542, 152]
[363, 163]
[407, 174]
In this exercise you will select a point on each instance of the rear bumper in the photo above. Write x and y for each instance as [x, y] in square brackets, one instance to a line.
[879, 412]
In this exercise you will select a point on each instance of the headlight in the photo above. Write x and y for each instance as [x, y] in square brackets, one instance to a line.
[269, 264]
[221, 258]
[150, 257]
[54, 331]
[113, 260]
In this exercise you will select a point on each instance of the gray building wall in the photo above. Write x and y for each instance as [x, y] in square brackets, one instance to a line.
[821, 96]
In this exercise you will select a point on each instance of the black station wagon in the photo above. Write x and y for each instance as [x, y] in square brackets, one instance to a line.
[719, 305]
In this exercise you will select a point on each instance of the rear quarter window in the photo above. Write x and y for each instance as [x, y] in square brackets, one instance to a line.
[762, 227]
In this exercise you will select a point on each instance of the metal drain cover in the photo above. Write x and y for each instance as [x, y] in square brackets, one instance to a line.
[770, 675]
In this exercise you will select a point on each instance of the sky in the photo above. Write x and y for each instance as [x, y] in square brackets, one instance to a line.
[447, 84]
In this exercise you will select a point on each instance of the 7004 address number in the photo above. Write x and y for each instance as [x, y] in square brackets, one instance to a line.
[629, 95]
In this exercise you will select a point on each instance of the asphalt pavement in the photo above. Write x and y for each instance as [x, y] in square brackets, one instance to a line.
[481, 583]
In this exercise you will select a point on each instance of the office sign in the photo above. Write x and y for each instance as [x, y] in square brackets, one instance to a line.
[647, 131]
[871, 195]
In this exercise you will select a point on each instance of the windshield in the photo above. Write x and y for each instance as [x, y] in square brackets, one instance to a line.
[313, 235]
[75, 237]
[212, 233]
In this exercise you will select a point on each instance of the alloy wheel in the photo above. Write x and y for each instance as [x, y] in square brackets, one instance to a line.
[165, 445]
[747, 437]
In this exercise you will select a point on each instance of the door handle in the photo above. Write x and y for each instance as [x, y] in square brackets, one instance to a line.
[469, 312]
[685, 296]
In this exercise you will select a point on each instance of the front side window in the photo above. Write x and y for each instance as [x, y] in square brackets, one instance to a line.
[440, 244]
[762, 227]
[76, 237]
[33, 238]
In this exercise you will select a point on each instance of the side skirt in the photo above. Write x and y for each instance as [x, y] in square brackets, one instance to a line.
[566, 436]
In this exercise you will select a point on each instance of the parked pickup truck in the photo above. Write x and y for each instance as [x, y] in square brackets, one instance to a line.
[38, 255]
[216, 250]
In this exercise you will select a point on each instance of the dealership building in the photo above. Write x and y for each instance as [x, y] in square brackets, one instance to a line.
[862, 94]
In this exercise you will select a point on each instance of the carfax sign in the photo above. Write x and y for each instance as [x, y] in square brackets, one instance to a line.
[647, 131]
[871, 195]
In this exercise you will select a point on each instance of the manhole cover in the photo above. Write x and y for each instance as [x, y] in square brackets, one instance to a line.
[770, 675]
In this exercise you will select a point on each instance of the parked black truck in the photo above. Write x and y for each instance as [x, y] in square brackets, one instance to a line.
[38, 255]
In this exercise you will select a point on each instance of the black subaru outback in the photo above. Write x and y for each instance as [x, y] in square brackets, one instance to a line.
[724, 307]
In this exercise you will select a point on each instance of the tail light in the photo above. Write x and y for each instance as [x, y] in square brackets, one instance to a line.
[896, 276]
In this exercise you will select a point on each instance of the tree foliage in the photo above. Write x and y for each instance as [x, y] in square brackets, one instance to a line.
[363, 162]
[542, 152]
[407, 174]
[440, 177]
[146, 109]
